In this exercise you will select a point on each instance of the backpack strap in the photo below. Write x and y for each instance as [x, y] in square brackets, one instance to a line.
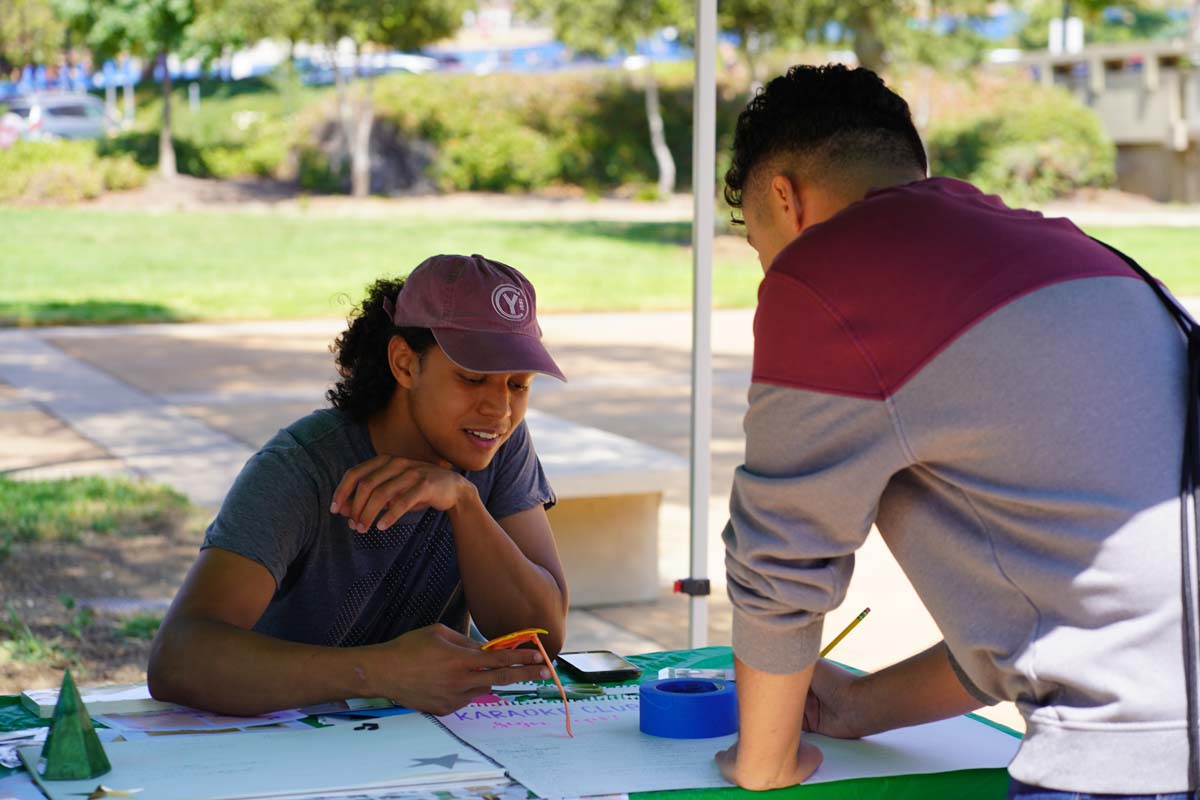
[1189, 510]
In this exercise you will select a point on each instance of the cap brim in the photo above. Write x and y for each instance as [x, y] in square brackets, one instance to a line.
[497, 352]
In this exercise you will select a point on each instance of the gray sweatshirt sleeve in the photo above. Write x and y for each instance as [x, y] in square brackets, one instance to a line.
[804, 501]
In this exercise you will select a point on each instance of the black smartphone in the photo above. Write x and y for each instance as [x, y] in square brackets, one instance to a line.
[599, 666]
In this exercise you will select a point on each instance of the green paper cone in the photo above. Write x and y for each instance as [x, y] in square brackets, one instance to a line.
[72, 751]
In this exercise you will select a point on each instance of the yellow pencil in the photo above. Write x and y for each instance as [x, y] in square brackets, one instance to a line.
[846, 630]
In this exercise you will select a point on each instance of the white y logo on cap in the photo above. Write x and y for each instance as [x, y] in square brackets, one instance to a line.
[509, 302]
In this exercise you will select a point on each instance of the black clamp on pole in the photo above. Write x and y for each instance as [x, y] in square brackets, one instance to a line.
[696, 587]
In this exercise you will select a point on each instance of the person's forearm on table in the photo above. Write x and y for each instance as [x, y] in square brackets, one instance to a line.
[254, 673]
[770, 717]
[505, 590]
[920, 689]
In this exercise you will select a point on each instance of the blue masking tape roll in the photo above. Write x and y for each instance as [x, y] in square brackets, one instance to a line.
[686, 708]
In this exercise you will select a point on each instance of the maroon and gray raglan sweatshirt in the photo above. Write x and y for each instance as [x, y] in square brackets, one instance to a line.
[1004, 399]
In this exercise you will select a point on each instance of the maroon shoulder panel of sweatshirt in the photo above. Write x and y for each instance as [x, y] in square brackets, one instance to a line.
[857, 304]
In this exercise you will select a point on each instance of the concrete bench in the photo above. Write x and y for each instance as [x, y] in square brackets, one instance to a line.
[609, 491]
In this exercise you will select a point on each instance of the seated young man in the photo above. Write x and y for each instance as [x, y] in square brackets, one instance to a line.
[1004, 398]
[355, 547]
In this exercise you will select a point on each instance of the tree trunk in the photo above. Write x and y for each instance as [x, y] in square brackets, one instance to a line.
[868, 47]
[290, 79]
[1066, 17]
[127, 96]
[662, 153]
[337, 158]
[360, 152]
[750, 53]
[166, 150]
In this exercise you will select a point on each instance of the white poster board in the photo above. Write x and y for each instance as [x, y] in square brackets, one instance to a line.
[389, 752]
[609, 755]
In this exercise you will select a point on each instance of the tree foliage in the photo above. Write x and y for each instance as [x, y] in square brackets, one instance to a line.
[604, 26]
[900, 30]
[762, 25]
[236, 23]
[1104, 22]
[153, 28]
[140, 27]
[402, 24]
[30, 33]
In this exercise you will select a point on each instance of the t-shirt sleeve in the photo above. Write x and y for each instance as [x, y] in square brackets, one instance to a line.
[519, 483]
[270, 513]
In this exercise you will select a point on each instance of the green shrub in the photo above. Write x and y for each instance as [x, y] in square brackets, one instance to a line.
[12, 183]
[65, 182]
[239, 129]
[142, 147]
[509, 158]
[498, 132]
[1033, 144]
[316, 174]
[62, 172]
[121, 173]
[24, 161]
[521, 132]
[253, 147]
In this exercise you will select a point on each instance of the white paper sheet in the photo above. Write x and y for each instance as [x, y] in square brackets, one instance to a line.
[19, 786]
[191, 719]
[12, 741]
[396, 751]
[120, 698]
[495, 789]
[609, 754]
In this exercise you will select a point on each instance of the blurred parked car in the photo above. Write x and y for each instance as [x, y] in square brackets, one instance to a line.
[61, 115]
[11, 127]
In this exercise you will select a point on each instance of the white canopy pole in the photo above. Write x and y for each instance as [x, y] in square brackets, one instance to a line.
[704, 147]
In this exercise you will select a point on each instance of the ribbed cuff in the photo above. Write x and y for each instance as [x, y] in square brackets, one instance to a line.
[769, 646]
[968, 684]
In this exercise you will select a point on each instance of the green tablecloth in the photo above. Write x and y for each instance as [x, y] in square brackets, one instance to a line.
[977, 784]
[14, 717]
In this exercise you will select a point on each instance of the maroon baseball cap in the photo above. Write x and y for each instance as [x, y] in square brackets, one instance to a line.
[482, 314]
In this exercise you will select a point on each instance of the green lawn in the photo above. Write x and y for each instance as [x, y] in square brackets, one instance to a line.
[1170, 254]
[81, 266]
[60, 266]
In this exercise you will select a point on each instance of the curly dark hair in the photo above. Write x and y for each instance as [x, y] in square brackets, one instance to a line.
[366, 385]
[842, 117]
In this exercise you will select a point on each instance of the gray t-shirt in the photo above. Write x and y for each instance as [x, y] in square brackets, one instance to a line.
[337, 587]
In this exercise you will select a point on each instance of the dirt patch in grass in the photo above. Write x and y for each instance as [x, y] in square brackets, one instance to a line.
[88, 600]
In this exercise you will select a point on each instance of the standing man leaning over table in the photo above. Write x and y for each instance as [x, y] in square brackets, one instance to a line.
[355, 545]
[1003, 398]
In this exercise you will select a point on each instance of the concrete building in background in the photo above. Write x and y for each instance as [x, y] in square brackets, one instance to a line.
[1148, 96]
